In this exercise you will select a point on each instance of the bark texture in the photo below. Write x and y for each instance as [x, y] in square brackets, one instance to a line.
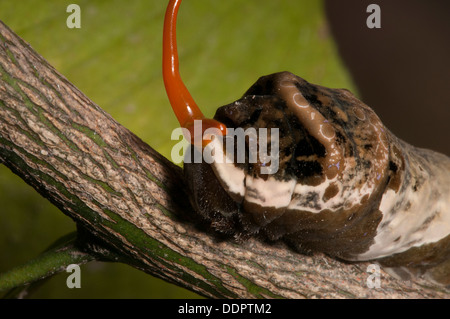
[127, 198]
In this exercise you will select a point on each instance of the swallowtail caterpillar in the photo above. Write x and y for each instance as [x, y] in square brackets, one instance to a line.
[345, 185]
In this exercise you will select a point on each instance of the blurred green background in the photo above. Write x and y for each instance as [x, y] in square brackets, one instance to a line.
[115, 59]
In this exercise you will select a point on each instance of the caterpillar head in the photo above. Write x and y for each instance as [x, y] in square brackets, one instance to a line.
[332, 158]
[308, 184]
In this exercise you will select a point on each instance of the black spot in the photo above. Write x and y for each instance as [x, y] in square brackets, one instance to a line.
[304, 143]
[340, 138]
[416, 186]
[304, 147]
[288, 151]
[392, 166]
[303, 169]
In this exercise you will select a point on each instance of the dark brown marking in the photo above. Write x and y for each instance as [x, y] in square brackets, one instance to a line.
[433, 259]
[330, 192]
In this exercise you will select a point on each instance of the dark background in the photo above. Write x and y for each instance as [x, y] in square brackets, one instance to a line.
[402, 70]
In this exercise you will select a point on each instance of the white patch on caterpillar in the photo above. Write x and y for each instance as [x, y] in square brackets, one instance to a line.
[412, 218]
[275, 193]
[270, 192]
[311, 198]
[231, 177]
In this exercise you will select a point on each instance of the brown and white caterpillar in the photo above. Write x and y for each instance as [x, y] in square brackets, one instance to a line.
[345, 185]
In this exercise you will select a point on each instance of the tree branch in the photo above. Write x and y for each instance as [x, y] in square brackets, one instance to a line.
[128, 199]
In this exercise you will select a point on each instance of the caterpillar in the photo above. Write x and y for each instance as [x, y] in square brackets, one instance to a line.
[343, 185]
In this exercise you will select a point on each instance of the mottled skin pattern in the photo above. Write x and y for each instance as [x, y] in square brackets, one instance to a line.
[345, 185]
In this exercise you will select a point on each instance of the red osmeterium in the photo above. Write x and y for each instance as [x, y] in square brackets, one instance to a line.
[183, 105]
